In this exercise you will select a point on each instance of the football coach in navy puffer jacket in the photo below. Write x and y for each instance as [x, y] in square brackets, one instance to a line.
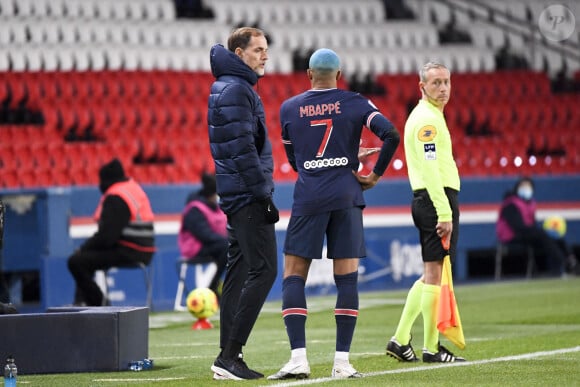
[243, 160]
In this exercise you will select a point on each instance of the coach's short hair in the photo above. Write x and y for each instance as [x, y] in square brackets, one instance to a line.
[240, 37]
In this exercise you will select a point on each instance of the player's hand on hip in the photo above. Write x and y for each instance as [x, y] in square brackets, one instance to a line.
[368, 181]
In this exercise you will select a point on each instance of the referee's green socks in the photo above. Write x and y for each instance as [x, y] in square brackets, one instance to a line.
[410, 313]
[429, 303]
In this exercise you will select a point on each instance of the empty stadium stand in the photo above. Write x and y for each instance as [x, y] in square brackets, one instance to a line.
[82, 81]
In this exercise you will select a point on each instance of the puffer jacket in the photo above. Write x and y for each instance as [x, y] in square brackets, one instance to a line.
[238, 136]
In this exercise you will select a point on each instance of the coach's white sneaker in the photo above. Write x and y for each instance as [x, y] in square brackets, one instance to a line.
[292, 370]
[344, 371]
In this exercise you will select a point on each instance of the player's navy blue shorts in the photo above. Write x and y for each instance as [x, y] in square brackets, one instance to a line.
[343, 230]
[425, 219]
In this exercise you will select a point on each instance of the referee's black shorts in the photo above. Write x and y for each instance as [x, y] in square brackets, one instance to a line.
[425, 219]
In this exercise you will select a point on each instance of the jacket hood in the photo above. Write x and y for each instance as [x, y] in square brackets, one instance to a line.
[111, 173]
[225, 62]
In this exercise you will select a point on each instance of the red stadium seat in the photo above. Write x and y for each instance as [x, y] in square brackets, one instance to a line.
[49, 87]
[144, 85]
[8, 161]
[10, 179]
[27, 178]
[129, 117]
[174, 85]
[112, 85]
[162, 115]
[65, 86]
[4, 89]
[18, 89]
[146, 116]
[34, 91]
[172, 173]
[193, 114]
[80, 85]
[500, 117]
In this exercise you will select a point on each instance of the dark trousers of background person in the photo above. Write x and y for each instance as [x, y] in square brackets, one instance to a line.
[4, 293]
[250, 274]
[216, 252]
[83, 264]
[554, 252]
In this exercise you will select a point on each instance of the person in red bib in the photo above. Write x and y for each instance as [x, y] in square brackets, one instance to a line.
[124, 236]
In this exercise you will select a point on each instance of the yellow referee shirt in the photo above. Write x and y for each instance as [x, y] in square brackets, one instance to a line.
[429, 156]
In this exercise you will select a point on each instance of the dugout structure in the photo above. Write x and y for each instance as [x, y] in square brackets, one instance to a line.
[75, 339]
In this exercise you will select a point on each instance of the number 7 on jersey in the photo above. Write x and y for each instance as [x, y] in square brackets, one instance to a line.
[327, 133]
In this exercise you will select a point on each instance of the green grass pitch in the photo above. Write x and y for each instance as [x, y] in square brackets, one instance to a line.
[518, 333]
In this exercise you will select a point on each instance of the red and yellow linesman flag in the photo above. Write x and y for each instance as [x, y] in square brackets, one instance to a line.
[448, 320]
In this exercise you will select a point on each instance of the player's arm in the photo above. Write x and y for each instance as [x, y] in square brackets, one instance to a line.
[288, 146]
[289, 149]
[387, 132]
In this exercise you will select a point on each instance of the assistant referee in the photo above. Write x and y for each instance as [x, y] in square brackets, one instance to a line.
[435, 182]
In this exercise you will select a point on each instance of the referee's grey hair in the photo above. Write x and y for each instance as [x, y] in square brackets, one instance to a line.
[428, 66]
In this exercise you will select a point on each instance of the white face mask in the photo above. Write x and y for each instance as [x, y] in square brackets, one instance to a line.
[525, 192]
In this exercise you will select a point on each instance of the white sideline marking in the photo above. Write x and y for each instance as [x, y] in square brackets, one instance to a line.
[430, 367]
[170, 345]
[137, 380]
[378, 373]
[184, 357]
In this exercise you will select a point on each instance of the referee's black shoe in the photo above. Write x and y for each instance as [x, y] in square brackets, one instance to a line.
[401, 352]
[443, 356]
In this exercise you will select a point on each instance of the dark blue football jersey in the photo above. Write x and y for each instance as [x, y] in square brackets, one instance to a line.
[321, 131]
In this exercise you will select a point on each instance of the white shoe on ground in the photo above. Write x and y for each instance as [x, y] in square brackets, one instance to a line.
[292, 370]
[344, 371]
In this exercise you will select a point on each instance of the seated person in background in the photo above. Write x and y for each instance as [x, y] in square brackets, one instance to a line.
[517, 224]
[124, 237]
[203, 236]
[5, 306]
[4, 296]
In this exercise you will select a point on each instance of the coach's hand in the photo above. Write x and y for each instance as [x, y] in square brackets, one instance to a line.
[270, 211]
